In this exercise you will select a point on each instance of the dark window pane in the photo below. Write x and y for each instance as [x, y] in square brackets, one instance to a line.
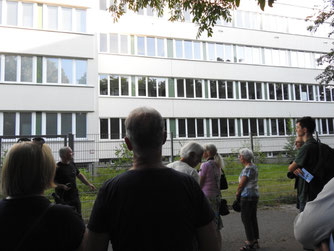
[231, 127]
[200, 128]
[223, 128]
[114, 128]
[213, 88]
[123, 128]
[141, 86]
[182, 127]
[124, 86]
[288, 128]
[251, 91]
[330, 126]
[81, 125]
[66, 123]
[324, 126]
[271, 91]
[259, 90]
[25, 123]
[39, 70]
[51, 124]
[214, 124]
[279, 92]
[261, 126]
[281, 126]
[273, 127]
[245, 128]
[162, 87]
[114, 85]
[198, 86]
[103, 85]
[9, 123]
[304, 92]
[152, 87]
[243, 89]
[321, 93]
[286, 91]
[190, 88]
[253, 126]
[103, 128]
[222, 89]
[230, 90]
[297, 92]
[180, 88]
[310, 92]
[328, 93]
[191, 128]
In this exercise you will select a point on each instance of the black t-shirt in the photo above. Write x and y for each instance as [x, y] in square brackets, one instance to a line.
[66, 174]
[150, 209]
[61, 228]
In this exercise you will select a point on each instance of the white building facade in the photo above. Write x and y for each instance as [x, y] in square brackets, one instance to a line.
[66, 67]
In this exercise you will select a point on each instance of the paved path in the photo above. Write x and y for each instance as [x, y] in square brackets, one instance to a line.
[275, 226]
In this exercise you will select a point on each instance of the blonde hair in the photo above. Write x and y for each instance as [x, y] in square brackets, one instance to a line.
[28, 169]
[212, 149]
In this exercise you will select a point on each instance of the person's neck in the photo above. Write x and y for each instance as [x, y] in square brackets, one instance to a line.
[307, 137]
[65, 161]
[152, 160]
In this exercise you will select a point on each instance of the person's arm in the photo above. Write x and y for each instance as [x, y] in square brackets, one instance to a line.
[84, 180]
[242, 184]
[97, 241]
[83, 242]
[207, 237]
[293, 167]
[62, 186]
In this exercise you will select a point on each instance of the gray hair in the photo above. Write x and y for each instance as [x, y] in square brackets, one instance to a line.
[63, 151]
[191, 147]
[212, 149]
[247, 154]
[145, 129]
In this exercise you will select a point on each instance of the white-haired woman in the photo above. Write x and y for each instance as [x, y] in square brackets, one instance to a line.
[248, 195]
[210, 172]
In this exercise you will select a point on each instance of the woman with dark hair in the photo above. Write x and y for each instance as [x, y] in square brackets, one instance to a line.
[28, 221]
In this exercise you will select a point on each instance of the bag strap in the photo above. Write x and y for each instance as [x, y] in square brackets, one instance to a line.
[33, 227]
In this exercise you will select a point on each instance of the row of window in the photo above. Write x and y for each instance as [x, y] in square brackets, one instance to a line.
[35, 69]
[121, 85]
[42, 16]
[43, 123]
[251, 20]
[113, 128]
[208, 51]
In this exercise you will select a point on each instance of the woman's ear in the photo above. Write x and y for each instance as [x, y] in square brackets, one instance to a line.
[128, 143]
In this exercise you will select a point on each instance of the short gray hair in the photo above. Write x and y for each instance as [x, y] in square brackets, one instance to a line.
[247, 154]
[191, 147]
[145, 128]
[63, 151]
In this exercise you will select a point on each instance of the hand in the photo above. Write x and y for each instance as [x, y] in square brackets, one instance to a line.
[298, 171]
[62, 186]
[92, 187]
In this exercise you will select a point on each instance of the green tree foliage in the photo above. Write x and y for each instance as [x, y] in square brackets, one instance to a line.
[124, 156]
[325, 15]
[289, 146]
[205, 13]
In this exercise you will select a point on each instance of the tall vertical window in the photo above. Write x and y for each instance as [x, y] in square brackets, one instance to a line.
[281, 129]
[213, 88]
[279, 92]
[104, 129]
[114, 85]
[241, 54]
[10, 68]
[191, 128]
[285, 91]
[222, 89]
[66, 123]
[161, 87]
[243, 89]
[182, 127]
[200, 127]
[220, 52]
[228, 53]
[223, 128]
[251, 91]
[180, 87]
[214, 128]
[140, 45]
[324, 126]
[230, 90]
[66, 71]
[80, 20]
[231, 127]
[151, 46]
[245, 128]
[40, 16]
[273, 126]
[271, 88]
[330, 126]
[103, 42]
[39, 70]
[188, 50]
[197, 50]
[113, 44]
[12, 13]
[51, 124]
[161, 47]
[198, 88]
[81, 125]
[52, 70]
[27, 14]
[125, 86]
[52, 17]
[297, 92]
[189, 88]
[152, 87]
[124, 44]
[114, 128]
[9, 123]
[261, 126]
[141, 86]
[178, 48]
[103, 85]
[81, 72]
[0, 11]
[26, 69]
[258, 90]
[253, 126]
[66, 19]
[211, 51]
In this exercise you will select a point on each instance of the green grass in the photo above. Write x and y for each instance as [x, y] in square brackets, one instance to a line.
[274, 187]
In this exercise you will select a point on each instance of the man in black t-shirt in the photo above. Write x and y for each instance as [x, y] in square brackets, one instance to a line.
[150, 207]
[65, 179]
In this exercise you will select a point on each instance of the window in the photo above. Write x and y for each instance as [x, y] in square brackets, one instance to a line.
[182, 127]
[66, 123]
[66, 19]
[279, 95]
[197, 50]
[324, 126]
[310, 92]
[243, 90]
[81, 72]
[152, 87]
[251, 91]
[12, 13]
[261, 126]
[267, 56]
[200, 127]
[271, 88]
[230, 93]
[330, 126]
[9, 123]
[141, 86]
[222, 89]
[211, 52]
[231, 127]
[257, 55]
[39, 70]
[273, 126]
[103, 43]
[191, 128]
[140, 45]
[241, 54]
[66, 71]
[25, 123]
[103, 85]
[220, 52]
[328, 93]
[258, 90]
[223, 128]
[81, 125]
[151, 46]
[190, 88]
[297, 92]
[113, 44]
[180, 87]
[10, 68]
[124, 86]
[26, 69]
[161, 47]
[27, 14]
[124, 44]
[198, 88]
[51, 124]
[304, 92]
[114, 85]
[253, 126]
[285, 91]
[161, 87]
[178, 49]
[80, 20]
[114, 128]
[281, 127]
[213, 88]
[228, 53]
[214, 128]
[188, 50]
[52, 17]
[104, 129]
[245, 127]
[51, 70]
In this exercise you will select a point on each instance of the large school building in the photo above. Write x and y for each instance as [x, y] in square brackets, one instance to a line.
[66, 67]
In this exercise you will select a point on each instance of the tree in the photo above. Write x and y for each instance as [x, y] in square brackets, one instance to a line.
[205, 13]
[325, 15]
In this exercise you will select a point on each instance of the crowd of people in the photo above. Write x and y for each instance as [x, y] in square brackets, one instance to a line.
[151, 206]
